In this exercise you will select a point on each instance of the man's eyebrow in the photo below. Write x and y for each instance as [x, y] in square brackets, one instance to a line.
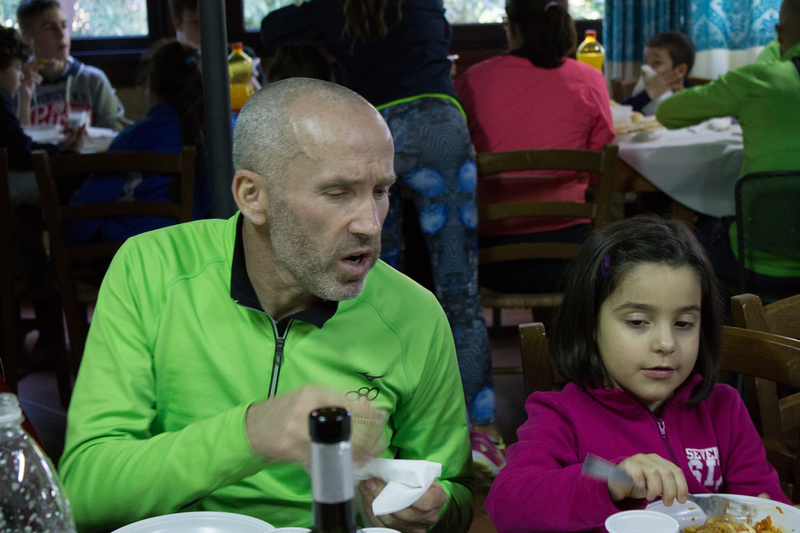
[647, 307]
[354, 182]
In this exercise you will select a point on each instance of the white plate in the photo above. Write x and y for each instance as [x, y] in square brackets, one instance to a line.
[688, 514]
[198, 522]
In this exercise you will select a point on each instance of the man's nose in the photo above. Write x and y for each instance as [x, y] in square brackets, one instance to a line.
[367, 220]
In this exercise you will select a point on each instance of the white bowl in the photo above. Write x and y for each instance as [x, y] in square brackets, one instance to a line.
[198, 522]
[641, 522]
[688, 514]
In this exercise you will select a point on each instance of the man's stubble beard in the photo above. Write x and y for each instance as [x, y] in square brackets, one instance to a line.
[311, 271]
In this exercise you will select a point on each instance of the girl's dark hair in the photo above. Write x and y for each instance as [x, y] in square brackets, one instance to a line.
[173, 76]
[603, 261]
[547, 31]
[12, 47]
[365, 19]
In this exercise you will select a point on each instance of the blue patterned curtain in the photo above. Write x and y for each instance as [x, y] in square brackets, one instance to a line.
[730, 33]
[628, 24]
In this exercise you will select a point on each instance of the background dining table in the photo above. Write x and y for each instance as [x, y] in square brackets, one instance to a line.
[697, 166]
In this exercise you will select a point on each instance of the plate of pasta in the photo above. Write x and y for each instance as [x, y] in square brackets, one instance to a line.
[761, 516]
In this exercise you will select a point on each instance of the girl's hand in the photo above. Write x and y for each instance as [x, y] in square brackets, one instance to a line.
[75, 139]
[654, 476]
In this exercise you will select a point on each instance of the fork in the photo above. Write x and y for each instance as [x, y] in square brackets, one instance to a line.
[713, 505]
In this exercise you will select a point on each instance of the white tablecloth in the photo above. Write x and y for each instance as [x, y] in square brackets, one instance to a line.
[97, 139]
[696, 166]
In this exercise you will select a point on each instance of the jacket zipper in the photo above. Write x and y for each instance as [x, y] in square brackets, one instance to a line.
[662, 428]
[277, 358]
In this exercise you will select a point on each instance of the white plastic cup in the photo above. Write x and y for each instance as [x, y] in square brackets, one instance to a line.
[291, 530]
[621, 113]
[641, 522]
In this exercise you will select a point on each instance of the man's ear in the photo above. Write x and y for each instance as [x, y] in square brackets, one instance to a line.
[682, 70]
[250, 193]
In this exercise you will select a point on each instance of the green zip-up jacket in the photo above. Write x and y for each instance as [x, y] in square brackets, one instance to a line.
[765, 99]
[177, 351]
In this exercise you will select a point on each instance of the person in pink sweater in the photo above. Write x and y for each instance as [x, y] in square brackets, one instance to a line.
[534, 96]
[637, 336]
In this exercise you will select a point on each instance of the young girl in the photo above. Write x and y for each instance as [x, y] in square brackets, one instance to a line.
[637, 336]
[175, 120]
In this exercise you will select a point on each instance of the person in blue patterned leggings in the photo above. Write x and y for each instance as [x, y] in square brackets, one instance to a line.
[394, 54]
[435, 160]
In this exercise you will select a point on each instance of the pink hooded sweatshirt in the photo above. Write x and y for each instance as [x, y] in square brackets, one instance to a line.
[541, 488]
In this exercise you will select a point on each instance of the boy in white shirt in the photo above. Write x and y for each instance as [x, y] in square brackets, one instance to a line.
[669, 57]
[68, 85]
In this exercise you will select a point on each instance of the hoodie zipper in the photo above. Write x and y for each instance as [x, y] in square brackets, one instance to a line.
[662, 429]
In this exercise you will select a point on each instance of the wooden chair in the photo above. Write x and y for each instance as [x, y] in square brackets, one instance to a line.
[776, 359]
[621, 89]
[537, 372]
[69, 259]
[14, 290]
[770, 406]
[602, 163]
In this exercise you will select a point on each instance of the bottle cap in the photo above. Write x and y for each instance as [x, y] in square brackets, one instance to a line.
[329, 425]
[591, 33]
[236, 47]
[10, 411]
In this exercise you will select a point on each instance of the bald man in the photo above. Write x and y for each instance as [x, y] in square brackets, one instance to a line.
[212, 340]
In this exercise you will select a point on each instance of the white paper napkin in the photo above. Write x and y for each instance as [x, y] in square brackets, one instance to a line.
[406, 480]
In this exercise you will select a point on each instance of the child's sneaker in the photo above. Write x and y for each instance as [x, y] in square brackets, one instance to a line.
[488, 454]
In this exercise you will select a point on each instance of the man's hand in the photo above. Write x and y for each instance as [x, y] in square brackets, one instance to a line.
[277, 428]
[661, 83]
[654, 476]
[414, 519]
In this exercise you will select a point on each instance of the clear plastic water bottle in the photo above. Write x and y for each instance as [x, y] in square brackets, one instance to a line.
[32, 499]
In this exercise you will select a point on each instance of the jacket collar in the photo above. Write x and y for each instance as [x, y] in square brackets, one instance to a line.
[244, 294]
[625, 403]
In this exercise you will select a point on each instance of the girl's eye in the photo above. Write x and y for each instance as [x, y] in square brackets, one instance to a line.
[684, 324]
[635, 322]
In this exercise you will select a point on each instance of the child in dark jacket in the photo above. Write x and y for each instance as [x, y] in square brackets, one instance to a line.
[176, 119]
[637, 336]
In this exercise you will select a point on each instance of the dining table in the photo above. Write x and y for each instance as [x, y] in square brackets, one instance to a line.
[697, 167]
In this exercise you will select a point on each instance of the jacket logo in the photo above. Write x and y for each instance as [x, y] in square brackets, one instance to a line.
[364, 394]
[704, 464]
[368, 377]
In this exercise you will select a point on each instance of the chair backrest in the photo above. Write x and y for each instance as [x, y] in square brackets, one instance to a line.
[780, 318]
[537, 372]
[50, 170]
[767, 216]
[621, 89]
[771, 411]
[777, 359]
[602, 163]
